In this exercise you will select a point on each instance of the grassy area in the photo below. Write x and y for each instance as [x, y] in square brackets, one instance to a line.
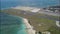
[54, 30]
[39, 24]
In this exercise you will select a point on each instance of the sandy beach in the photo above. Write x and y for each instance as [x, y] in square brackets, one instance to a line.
[31, 9]
[29, 28]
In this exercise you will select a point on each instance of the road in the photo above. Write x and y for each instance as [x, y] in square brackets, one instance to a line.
[49, 13]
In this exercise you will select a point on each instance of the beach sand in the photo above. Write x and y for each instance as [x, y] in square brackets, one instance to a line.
[31, 9]
[29, 28]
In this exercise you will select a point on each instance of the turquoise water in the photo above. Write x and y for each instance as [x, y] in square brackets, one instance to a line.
[34, 3]
[11, 24]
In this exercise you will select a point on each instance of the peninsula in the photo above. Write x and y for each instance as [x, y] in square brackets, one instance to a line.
[42, 19]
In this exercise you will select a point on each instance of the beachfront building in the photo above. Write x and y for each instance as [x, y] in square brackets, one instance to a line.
[58, 23]
[54, 9]
[57, 11]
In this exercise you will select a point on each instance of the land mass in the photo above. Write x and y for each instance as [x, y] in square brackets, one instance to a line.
[41, 19]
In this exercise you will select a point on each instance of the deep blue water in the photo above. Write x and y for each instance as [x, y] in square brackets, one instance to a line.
[11, 24]
[33, 3]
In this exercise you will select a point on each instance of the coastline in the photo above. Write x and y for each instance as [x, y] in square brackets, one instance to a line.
[31, 9]
[29, 28]
[37, 10]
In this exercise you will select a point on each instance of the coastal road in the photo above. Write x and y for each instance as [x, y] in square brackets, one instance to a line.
[49, 13]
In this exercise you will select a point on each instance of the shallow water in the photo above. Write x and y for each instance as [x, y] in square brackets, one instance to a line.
[11, 24]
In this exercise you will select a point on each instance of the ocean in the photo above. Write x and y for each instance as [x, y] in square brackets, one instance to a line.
[14, 25]
[11, 24]
[33, 3]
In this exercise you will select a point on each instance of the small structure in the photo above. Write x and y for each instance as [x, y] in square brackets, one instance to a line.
[46, 32]
[58, 23]
[56, 11]
[35, 10]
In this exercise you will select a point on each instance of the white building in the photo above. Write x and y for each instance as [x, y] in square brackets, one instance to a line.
[58, 23]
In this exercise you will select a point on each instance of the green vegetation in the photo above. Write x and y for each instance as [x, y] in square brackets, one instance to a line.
[54, 30]
[39, 24]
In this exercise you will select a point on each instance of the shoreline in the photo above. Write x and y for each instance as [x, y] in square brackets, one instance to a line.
[37, 10]
[29, 28]
[31, 9]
